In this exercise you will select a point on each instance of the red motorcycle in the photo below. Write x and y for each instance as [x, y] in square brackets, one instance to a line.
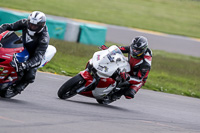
[11, 52]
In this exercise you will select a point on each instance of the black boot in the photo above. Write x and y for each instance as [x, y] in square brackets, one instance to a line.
[21, 86]
[14, 90]
[117, 95]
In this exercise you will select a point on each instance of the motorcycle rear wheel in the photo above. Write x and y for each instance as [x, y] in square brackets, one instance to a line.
[68, 89]
[103, 102]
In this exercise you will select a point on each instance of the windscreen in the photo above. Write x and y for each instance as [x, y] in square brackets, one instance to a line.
[11, 40]
[113, 52]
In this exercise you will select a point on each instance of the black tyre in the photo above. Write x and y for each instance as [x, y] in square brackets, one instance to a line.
[105, 102]
[68, 89]
[100, 101]
[8, 93]
[2, 93]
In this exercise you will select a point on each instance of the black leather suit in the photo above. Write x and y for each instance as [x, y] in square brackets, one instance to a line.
[36, 46]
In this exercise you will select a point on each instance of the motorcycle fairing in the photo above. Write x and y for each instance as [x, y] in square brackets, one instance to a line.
[8, 48]
[100, 93]
[107, 61]
[104, 86]
[10, 40]
[50, 52]
[22, 56]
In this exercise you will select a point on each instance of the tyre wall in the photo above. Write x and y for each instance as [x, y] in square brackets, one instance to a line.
[64, 30]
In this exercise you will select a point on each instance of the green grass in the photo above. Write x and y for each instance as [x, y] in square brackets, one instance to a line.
[175, 73]
[70, 57]
[171, 73]
[179, 17]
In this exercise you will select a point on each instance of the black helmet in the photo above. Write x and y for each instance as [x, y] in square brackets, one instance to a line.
[36, 22]
[138, 46]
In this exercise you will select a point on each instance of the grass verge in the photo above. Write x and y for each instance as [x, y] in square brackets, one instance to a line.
[170, 73]
[179, 17]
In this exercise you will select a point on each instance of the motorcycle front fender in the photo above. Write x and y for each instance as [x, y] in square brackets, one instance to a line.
[90, 81]
[86, 75]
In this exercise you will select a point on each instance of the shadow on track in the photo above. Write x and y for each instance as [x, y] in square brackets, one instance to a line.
[100, 105]
[13, 101]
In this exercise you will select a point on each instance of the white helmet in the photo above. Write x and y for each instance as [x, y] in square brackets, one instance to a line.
[36, 22]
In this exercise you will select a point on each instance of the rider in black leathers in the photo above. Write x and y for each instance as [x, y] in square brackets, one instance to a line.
[35, 38]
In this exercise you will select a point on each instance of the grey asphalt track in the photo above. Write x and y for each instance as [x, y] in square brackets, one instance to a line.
[39, 110]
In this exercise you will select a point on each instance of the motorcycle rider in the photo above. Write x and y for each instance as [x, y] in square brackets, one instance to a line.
[139, 57]
[35, 38]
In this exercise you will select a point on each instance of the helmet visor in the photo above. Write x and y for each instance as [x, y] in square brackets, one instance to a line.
[136, 52]
[33, 27]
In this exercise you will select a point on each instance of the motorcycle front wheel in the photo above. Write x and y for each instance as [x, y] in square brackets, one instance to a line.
[8, 93]
[68, 89]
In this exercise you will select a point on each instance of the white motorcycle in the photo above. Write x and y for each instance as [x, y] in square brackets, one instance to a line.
[101, 78]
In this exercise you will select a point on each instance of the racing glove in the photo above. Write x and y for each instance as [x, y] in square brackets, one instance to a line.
[18, 66]
[21, 67]
[125, 76]
[103, 47]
